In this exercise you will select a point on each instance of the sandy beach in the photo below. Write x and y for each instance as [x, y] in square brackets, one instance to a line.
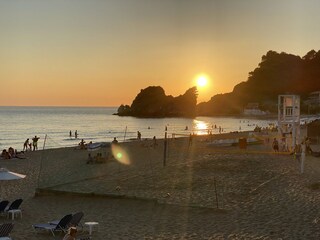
[202, 192]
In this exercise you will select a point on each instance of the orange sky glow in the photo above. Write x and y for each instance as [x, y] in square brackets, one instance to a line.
[102, 53]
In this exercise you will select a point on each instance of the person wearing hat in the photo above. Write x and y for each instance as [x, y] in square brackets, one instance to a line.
[71, 234]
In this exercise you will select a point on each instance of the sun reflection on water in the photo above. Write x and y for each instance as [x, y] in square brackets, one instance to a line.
[200, 127]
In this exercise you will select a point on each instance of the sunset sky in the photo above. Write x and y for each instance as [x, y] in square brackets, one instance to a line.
[102, 52]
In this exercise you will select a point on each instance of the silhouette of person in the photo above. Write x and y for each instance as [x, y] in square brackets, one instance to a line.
[154, 142]
[190, 139]
[275, 145]
[115, 141]
[35, 143]
[26, 144]
[82, 144]
[76, 134]
[139, 135]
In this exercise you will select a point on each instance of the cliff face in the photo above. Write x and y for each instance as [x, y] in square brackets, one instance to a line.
[152, 102]
[277, 73]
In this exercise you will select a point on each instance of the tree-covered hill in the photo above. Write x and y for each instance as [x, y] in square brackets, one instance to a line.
[152, 102]
[277, 73]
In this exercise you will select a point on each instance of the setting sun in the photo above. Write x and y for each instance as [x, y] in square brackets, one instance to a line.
[202, 81]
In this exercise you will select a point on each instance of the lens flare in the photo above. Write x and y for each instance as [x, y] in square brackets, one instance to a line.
[120, 154]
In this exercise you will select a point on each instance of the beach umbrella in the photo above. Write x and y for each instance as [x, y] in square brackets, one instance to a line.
[94, 147]
[5, 174]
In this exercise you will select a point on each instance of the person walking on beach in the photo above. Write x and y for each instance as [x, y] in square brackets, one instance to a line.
[275, 145]
[26, 144]
[154, 142]
[139, 135]
[35, 143]
[190, 139]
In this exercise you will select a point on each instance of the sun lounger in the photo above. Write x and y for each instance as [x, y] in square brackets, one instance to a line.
[61, 226]
[15, 204]
[3, 206]
[14, 208]
[74, 222]
[5, 230]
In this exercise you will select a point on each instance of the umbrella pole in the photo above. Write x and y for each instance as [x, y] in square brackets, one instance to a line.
[44, 144]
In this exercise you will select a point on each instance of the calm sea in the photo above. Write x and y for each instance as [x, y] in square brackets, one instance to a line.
[99, 125]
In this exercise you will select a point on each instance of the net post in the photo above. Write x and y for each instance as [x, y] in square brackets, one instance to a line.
[165, 149]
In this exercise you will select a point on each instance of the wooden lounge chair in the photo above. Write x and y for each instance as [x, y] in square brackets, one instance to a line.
[62, 225]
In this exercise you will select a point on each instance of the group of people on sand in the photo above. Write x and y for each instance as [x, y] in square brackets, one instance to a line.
[8, 154]
[82, 144]
[31, 146]
[11, 153]
[276, 146]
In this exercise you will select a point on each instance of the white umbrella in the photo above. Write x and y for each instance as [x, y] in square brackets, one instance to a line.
[5, 174]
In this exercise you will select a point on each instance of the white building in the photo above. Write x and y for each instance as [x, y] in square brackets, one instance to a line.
[253, 109]
[289, 119]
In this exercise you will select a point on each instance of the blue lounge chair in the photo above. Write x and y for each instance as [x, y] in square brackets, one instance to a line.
[62, 225]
